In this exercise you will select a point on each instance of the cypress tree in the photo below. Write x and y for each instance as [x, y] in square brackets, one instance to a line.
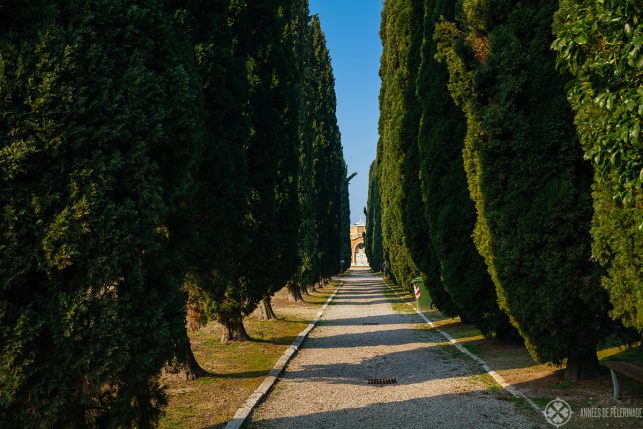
[308, 272]
[395, 137]
[408, 249]
[291, 69]
[288, 208]
[527, 178]
[373, 238]
[450, 214]
[599, 43]
[415, 226]
[344, 236]
[329, 171]
[266, 38]
[99, 121]
[218, 210]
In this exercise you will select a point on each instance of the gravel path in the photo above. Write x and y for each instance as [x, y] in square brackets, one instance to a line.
[361, 337]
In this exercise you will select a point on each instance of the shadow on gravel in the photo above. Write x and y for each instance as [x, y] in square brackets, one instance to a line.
[372, 338]
[479, 409]
[351, 295]
[399, 365]
[388, 319]
[350, 302]
[425, 338]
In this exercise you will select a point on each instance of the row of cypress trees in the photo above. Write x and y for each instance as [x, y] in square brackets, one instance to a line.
[153, 155]
[600, 44]
[480, 185]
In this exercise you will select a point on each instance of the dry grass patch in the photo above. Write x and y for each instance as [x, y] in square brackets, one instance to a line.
[237, 367]
[400, 298]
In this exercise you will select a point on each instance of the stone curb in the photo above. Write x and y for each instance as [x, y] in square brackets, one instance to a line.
[485, 366]
[244, 411]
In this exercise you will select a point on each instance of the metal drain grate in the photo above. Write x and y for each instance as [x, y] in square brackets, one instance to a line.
[382, 381]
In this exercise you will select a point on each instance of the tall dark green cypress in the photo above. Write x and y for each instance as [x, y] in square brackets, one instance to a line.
[527, 178]
[308, 240]
[99, 117]
[218, 210]
[287, 199]
[373, 238]
[408, 249]
[266, 38]
[450, 213]
[599, 44]
[290, 69]
[414, 224]
[344, 236]
[416, 229]
[329, 171]
[395, 135]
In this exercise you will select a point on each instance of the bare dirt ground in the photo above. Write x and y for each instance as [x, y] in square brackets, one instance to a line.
[361, 337]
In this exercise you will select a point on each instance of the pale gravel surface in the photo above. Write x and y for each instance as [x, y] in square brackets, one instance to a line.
[362, 337]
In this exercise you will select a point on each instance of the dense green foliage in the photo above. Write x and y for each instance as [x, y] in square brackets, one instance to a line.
[600, 45]
[373, 233]
[345, 251]
[322, 188]
[147, 149]
[526, 177]
[268, 40]
[289, 74]
[408, 27]
[99, 122]
[308, 239]
[450, 214]
[218, 240]
[329, 170]
[418, 228]
[396, 135]
[395, 185]
[618, 246]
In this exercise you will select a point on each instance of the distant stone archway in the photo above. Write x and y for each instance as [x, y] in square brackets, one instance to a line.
[360, 255]
[358, 249]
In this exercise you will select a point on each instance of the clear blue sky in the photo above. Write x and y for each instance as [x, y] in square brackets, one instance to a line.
[352, 33]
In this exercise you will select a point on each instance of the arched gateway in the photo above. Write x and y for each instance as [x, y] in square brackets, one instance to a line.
[358, 250]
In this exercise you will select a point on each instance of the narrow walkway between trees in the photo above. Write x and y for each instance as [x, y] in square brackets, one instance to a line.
[361, 337]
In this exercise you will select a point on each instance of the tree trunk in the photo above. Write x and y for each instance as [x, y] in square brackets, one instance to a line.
[303, 290]
[294, 293]
[190, 368]
[464, 319]
[265, 310]
[194, 316]
[582, 366]
[233, 330]
[183, 365]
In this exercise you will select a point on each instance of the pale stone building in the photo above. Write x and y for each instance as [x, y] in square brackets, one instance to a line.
[358, 250]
